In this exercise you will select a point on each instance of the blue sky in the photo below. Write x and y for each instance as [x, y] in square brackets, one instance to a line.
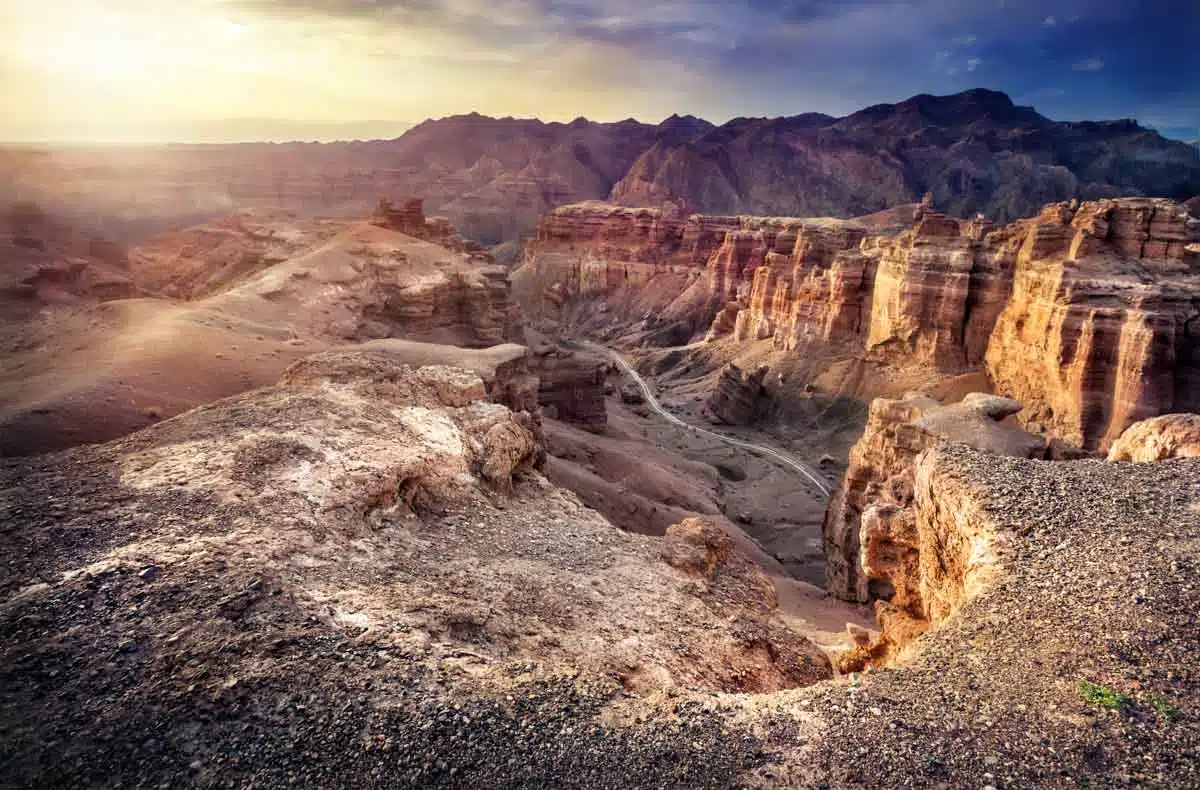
[348, 60]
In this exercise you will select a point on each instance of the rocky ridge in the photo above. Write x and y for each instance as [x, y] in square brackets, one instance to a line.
[973, 152]
[382, 523]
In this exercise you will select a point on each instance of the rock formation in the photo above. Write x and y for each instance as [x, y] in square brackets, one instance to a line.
[571, 385]
[50, 263]
[1158, 439]
[871, 547]
[739, 397]
[362, 526]
[408, 217]
[1086, 313]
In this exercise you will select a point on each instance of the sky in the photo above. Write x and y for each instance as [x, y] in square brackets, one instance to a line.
[151, 70]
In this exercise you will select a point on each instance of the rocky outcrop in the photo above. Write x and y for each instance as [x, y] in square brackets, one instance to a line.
[739, 397]
[1086, 313]
[408, 217]
[571, 385]
[504, 369]
[50, 263]
[871, 547]
[362, 539]
[1159, 439]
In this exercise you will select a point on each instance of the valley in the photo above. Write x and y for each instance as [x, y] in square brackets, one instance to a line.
[614, 475]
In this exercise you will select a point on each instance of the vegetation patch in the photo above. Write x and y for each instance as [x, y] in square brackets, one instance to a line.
[1163, 707]
[1104, 696]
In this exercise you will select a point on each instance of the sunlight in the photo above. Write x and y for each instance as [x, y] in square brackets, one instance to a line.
[100, 53]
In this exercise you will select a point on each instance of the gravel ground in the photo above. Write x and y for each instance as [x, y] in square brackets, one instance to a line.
[1100, 586]
[131, 675]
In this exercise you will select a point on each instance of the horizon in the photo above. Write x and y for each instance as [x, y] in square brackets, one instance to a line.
[214, 137]
[76, 70]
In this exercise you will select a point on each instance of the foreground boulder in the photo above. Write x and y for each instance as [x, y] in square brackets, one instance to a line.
[1160, 438]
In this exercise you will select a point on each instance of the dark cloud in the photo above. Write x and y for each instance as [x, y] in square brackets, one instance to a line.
[1074, 58]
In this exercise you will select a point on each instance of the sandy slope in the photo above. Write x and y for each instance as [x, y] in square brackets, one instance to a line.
[275, 289]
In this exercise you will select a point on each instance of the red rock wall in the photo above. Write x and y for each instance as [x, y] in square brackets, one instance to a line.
[1089, 314]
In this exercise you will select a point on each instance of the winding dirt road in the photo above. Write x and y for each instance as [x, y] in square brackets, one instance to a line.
[788, 461]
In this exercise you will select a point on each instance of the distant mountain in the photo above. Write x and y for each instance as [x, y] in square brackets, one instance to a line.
[974, 151]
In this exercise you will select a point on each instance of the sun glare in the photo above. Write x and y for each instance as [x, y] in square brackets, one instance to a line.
[101, 54]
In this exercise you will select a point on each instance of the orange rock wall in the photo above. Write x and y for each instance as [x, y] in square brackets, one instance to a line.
[1088, 314]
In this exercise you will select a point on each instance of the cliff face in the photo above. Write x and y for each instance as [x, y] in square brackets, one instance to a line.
[1101, 327]
[650, 260]
[1087, 314]
[871, 547]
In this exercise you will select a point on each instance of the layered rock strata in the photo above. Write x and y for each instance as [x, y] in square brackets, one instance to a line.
[655, 259]
[571, 385]
[872, 550]
[740, 397]
[1086, 313]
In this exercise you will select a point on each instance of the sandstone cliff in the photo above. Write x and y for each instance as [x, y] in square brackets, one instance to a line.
[1087, 313]
[871, 547]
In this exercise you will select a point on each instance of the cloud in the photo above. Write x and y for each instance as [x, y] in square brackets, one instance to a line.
[609, 59]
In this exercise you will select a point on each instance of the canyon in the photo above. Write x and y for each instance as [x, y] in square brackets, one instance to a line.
[352, 483]
[1085, 313]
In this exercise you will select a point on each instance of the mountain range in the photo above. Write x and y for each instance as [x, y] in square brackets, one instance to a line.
[972, 152]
